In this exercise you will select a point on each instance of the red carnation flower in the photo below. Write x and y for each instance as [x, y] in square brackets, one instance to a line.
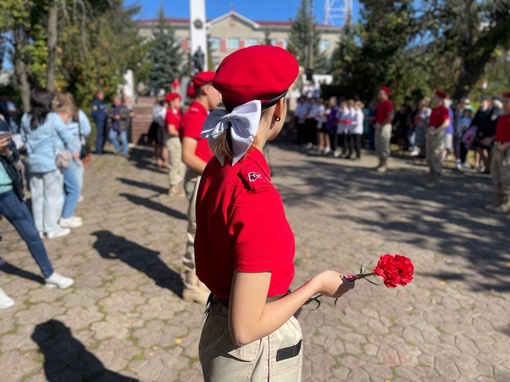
[395, 270]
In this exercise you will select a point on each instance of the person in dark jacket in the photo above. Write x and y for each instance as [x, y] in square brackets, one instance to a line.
[100, 117]
[15, 210]
[118, 125]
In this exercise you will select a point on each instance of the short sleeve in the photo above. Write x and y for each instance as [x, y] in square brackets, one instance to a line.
[192, 125]
[262, 236]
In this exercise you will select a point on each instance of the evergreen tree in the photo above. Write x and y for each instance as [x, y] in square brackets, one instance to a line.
[164, 54]
[344, 55]
[299, 40]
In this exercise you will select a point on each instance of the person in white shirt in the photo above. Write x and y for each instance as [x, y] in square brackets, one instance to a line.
[348, 118]
[341, 127]
[324, 145]
[357, 129]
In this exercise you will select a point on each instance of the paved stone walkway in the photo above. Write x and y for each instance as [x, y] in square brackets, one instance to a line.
[124, 319]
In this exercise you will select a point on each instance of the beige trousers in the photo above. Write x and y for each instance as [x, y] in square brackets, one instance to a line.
[273, 358]
[382, 141]
[435, 146]
[177, 167]
[500, 170]
[191, 182]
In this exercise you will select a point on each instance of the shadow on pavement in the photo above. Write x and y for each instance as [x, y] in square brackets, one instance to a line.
[146, 186]
[143, 157]
[146, 202]
[66, 359]
[450, 219]
[14, 270]
[113, 247]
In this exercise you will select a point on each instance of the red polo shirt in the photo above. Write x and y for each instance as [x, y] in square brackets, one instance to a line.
[503, 129]
[173, 117]
[438, 116]
[191, 126]
[382, 111]
[241, 225]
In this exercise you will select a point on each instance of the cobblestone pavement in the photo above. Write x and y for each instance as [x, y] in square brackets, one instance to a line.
[124, 319]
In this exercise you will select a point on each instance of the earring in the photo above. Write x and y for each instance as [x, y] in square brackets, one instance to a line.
[277, 119]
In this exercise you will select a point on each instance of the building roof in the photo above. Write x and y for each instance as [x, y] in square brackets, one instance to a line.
[233, 13]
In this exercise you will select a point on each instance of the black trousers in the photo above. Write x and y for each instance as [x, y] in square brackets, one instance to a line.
[346, 144]
[311, 131]
[356, 144]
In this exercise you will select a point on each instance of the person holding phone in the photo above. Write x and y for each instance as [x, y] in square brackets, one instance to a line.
[15, 210]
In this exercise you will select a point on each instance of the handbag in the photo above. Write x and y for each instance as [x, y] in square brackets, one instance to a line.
[64, 158]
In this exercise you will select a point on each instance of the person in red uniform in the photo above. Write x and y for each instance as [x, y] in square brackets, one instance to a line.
[436, 136]
[500, 163]
[383, 117]
[195, 155]
[244, 246]
[173, 144]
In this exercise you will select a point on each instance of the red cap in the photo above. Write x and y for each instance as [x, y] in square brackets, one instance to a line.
[385, 89]
[506, 95]
[259, 72]
[202, 78]
[441, 94]
[190, 93]
[171, 96]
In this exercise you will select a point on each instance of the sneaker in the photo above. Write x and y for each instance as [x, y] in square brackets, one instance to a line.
[309, 146]
[5, 301]
[326, 151]
[176, 191]
[466, 165]
[198, 294]
[58, 233]
[69, 223]
[382, 169]
[415, 153]
[502, 208]
[336, 154]
[59, 281]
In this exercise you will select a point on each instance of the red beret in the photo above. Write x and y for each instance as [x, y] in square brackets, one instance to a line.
[259, 72]
[190, 93]
[441, 94]
[385, 89]
[506, 95]
[171, 96]
[202, 78]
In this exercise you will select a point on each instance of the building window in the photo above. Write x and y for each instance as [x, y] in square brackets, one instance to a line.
[285, 44]
[274, 41]
[325, 44]
[251, 41]
[232, 43]
[215, 42]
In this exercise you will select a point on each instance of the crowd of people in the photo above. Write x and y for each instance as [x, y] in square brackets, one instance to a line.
[341, 128]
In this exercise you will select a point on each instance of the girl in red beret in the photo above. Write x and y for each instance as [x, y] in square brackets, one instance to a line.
[244, 246]
[436, 136]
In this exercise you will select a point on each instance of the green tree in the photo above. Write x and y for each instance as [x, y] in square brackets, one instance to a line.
[299, 40]
[165, 55]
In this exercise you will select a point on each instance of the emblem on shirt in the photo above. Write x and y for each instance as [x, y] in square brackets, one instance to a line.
[253, 176]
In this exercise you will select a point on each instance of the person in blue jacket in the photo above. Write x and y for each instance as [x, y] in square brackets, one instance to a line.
[100, 117]
[15, 210]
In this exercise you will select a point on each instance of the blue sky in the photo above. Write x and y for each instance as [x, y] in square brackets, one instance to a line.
[260, 10]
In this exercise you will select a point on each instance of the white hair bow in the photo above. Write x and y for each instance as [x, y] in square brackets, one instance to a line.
[244, 121]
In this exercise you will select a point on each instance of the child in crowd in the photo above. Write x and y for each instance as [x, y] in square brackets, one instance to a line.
[324, 146]
[357, 130]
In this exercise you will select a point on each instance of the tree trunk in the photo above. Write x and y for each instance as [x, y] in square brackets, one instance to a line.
[20, 67]
[51, 61]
